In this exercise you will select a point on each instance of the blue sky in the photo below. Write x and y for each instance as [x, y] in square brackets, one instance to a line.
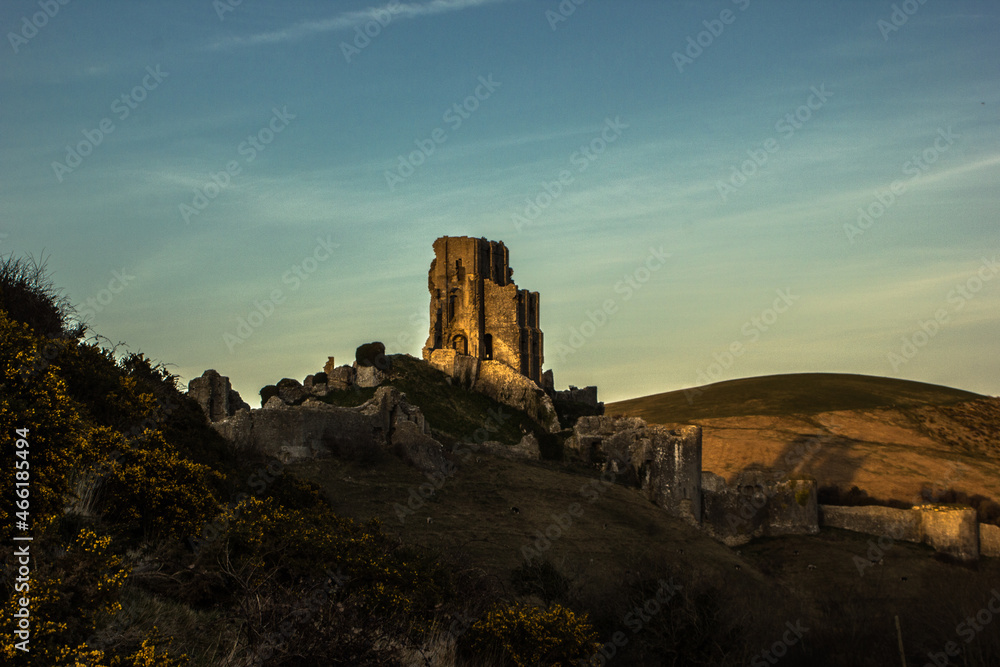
[683, 182]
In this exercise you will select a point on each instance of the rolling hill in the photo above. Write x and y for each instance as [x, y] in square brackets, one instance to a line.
[895, 439]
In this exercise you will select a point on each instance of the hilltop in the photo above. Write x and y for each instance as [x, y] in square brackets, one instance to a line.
[891, 438]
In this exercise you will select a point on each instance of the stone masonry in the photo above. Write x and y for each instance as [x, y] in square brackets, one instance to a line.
[664, 463]
[478, 310]
[216, 396]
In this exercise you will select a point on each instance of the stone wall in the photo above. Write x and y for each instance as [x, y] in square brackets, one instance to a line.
[216, 396]
[989, 540]
[664, 463]
[758, 505]
[386, 423]
[948, 529]
[477, 310]
[573, 403]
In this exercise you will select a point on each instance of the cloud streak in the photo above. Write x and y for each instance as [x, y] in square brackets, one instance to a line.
[349, 21]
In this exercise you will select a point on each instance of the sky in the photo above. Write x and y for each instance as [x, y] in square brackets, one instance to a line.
[699, 191]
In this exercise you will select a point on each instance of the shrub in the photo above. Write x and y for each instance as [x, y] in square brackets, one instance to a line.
[164, 494]
[27, 295]
[525, 636]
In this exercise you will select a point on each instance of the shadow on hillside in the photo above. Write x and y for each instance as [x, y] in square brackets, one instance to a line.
[825, 457]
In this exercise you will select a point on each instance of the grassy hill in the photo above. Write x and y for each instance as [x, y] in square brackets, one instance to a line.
[802, 393]
[894, 439]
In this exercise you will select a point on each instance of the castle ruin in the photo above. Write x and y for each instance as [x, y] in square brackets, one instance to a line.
[478, 311]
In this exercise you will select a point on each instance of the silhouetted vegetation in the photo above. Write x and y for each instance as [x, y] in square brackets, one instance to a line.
[28, 295]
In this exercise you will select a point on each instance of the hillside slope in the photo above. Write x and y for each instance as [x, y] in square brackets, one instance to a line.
[895, 439]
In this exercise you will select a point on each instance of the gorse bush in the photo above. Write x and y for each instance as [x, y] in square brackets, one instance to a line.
[28, 295]
[525, 636]
[75, 591]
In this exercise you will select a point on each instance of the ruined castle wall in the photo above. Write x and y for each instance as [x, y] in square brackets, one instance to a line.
[672, 476]
[502, 323]
[385, 423]
[477, 310]
[664, 463]
[950, 530]
[757, 505]
[898, 524]
[989, 540]
[505, 385]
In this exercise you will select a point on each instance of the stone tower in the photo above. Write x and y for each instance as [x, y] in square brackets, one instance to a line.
[477, 310]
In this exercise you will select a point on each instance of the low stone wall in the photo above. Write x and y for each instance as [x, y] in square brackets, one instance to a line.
[989, 540]
[900, 525]
[757, 505]
[314, 429]
[950, 530]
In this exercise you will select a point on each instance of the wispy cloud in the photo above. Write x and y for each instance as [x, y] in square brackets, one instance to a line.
[349, 21]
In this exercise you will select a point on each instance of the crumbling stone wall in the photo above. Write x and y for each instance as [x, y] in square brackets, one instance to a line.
[216, 396]
[664, 463]
[386, 423]
[989, 540]
[756, 504]
[477, 310]
[573, 403]
[948, 529]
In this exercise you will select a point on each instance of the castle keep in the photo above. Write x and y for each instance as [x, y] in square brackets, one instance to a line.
[477, 310]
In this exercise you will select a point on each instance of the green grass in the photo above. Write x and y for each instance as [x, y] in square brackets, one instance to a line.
[783, 395]
[454, 413]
